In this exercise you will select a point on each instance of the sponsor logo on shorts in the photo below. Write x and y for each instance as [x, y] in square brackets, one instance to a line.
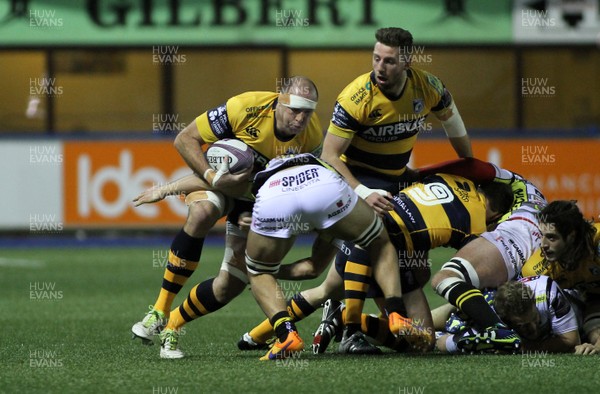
[299, 181]
[341, 208]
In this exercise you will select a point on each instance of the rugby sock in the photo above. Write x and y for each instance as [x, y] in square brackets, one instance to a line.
[298, 308]
[395, 304]
[262, 332]
[357, 276]
[183, 260]
[283, 324]
[471, 301]
[201, 301]
[378, 329]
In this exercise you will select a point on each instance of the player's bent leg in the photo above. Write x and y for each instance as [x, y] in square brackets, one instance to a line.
[263, 257]
[366, 230]
[300, 306]
[205, 208]
[210, 295]
[477, 265]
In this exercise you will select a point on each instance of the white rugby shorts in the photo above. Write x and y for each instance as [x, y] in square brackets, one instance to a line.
[300, 199]
[516, 238]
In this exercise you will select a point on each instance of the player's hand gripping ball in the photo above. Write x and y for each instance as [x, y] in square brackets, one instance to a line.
[240, 155]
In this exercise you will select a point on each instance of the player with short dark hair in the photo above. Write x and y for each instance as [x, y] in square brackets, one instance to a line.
[378, 116]
[271, 123]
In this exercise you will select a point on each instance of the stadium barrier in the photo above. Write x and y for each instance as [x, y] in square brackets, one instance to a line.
[90, 184]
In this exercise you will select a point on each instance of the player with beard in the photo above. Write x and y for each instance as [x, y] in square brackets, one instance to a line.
[376, 121]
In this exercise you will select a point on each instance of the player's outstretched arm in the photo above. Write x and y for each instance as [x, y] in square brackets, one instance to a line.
[184, 185]
[563, 343]
[323, 252]
[476, 170]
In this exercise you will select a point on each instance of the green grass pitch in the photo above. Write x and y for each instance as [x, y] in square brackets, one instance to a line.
[66, 316]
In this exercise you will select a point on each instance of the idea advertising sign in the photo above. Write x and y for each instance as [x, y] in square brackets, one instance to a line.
[102, 178]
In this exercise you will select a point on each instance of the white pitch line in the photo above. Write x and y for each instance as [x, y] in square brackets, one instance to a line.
[21, 263]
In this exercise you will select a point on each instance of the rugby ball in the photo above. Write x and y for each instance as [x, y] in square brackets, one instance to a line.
[239, 154]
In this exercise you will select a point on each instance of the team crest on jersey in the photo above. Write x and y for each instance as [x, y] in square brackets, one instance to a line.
[418, 105]
[436, 83]
[252, 131]
[376, 113]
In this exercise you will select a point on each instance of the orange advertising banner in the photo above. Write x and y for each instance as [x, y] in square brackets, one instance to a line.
[102, 177]
[563, 169]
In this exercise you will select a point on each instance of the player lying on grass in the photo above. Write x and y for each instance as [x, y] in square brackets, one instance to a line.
[535, 307]
[570, 254]
[442, 211]
[270, 123]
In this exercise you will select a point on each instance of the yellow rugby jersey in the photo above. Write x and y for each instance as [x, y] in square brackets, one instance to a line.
[586, 278]
[250, 117]
[444, 210]
[384, 131]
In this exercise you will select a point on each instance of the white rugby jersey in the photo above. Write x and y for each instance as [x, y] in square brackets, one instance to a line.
[557, 315]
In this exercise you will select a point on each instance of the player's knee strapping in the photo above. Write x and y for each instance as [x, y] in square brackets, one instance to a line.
[370, 233]
[231, 269]
[462, 291]
[465, 274]
[256, 267]
[215, 198]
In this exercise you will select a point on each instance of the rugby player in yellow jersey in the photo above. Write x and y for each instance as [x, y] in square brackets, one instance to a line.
[444, 210]
[378, 116]
[569, 253]
[271, 124]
